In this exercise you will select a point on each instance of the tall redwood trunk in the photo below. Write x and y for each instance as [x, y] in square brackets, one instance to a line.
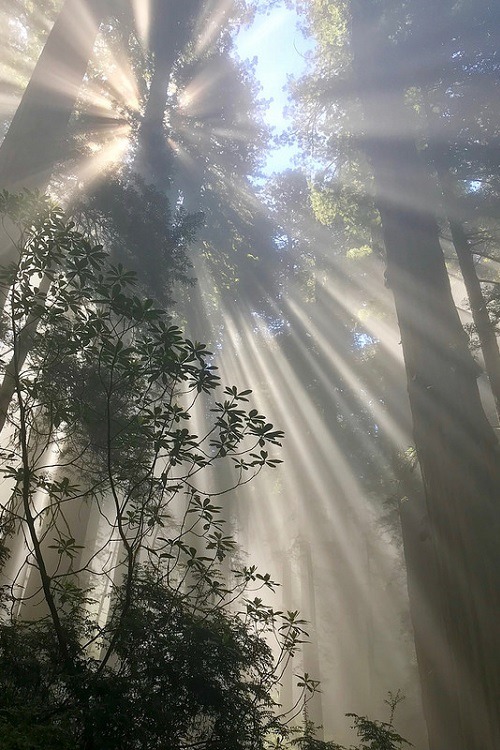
[456, 445]
[37, 135]
[479, 310]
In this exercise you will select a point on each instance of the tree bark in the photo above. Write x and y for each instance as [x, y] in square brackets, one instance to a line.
[484, 327]
[425, 611]
[35, 140]
[456, 445]
[8, 385]
[171, 30]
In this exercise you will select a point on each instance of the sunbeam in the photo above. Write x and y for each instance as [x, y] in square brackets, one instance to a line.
[209, 24]
[317, 490]
[310, 190]
[142, 17]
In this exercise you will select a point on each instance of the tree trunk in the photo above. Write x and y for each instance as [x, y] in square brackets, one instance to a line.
[456, 445]
[171, 30]
[35, 140]
[484, 327]
[425, 611]
[8, 385]
[37, 135]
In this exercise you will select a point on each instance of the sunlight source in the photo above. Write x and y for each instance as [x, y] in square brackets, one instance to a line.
[121, 82]
[193, 97]
[104, 155]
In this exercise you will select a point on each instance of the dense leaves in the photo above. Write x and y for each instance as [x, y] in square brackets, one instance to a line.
[100, 427]
[136, 630]
[139, 229]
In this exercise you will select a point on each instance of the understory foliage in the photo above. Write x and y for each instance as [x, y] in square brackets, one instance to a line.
[156, 247]
[128, 622]
[373, 735]
[119, 630]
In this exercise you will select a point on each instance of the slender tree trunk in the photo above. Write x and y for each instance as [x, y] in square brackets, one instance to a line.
[8, 385]
[484, 327]
[171, 30]
[456, 445]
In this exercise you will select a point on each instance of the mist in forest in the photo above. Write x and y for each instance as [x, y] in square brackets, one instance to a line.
[339, 259]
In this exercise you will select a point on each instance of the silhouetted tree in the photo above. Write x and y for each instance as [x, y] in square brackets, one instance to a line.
[363, 93]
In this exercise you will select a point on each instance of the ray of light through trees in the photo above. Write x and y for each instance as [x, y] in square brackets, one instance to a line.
[326, 255]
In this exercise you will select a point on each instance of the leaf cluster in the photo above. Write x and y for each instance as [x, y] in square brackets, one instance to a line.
[155, 246]
[133, 638]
